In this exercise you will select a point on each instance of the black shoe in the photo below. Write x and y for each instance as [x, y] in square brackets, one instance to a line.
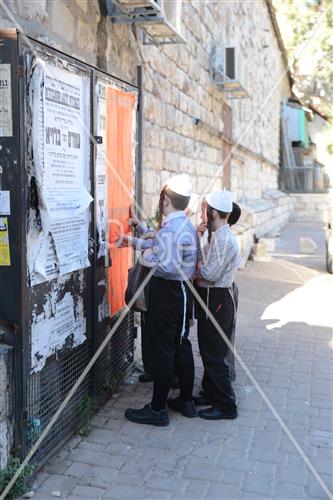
[200, 401]
[175, 382]
[145, 377]
[186, 408]
[216, 414]
[147, 415]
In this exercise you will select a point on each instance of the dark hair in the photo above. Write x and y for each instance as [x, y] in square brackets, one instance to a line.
[235, 214]
[222, 215]
[178, 202]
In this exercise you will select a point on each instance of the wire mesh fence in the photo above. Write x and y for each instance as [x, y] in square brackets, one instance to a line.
[47, 389]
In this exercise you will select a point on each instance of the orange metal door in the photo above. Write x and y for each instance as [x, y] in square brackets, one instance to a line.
[120, 160]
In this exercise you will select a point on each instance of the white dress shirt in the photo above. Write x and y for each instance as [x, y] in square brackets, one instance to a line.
[221, 259]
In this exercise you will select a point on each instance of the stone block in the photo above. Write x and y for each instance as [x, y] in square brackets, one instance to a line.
[57, 466]
[164, 484]
[269, 243]
[34, 10]
[260, 250]
[171, 162]
[257, 483]
[307, 246]
[204, 472]
[151, 182]
[59, 482]
[96, 458]
[78, 469]
[150, 108]
[268, 456]
[223, 492]
[83, 4]
[290, 490]
[88, 492]
[125, 492]
[261, 258]
[86, 36]
[99, 477]
[62, 21]
[170, 118]
[168, 67]
[237, 461]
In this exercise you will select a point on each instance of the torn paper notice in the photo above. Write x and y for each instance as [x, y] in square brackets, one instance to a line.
[4, 203]
[66, 143]
[100, 171]
[61, 323]
[6, 118]
[61, 147]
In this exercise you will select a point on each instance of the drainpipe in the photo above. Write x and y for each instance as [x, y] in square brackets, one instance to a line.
[140, 137]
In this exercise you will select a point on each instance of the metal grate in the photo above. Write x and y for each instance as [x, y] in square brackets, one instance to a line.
[303, 180]
[116, 358]
[46, 391]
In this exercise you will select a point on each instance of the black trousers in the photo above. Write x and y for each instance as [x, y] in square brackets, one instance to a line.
[144, 350]
[214, 351]
[165, 352]
[231, 357]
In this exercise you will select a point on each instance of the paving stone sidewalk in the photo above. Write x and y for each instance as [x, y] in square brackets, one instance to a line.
[247, 458]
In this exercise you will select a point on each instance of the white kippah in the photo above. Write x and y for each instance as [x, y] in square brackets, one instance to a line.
[180, 184]
[220, 200]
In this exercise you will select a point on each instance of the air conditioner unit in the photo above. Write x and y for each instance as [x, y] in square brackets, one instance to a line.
[167, 29]
[229, 72]
[160, 20]
[134, 4]
[133, 7]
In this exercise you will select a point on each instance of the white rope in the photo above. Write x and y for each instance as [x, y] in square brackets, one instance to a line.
[184, 312]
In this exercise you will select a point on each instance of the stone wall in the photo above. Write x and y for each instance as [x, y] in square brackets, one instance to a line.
[183, 91]
[263, 217]
[183, 122]
[315, 207]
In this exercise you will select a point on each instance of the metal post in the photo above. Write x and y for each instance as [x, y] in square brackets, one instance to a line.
[140, 137]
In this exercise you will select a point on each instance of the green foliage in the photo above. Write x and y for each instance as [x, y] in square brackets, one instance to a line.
[309, 24]
[33, 429]
[111, 383]
[87, 411]
[153, 221]
[21, 485]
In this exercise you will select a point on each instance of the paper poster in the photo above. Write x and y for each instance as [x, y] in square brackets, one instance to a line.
[100, 171]
[4, 203]
[6, 119]
[61, 322]
[61, 145]
[4, 242]
[66, 143]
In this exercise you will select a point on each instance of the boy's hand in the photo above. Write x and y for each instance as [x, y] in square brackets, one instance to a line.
[133, 220]
[124, 241]
[201, 229]
[147, 252]
[204, 212]
[197, 274]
